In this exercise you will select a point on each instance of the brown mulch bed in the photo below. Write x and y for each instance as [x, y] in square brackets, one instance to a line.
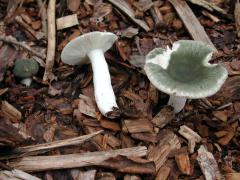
[148, 141]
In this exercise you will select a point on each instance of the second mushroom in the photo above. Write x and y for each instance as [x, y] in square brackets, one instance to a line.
[92, 46]
[184, 72]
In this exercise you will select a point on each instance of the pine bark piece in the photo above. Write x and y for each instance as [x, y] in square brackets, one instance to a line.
[126, 9]
[138, 125]
[129, 165]
[42, 163]
[183, 163]
[159, 153]
[191, 136]
[237, 17]
[67, 21]
[9, 135]
[208, 164]
[16, 174]
[51, 41]
[163, 173]
[191, 22]
[165, 116]
[73, 5]
[11, 112]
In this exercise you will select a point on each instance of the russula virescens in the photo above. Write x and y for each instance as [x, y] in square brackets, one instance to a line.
[25, 69]
[90, 48]
[184, 72]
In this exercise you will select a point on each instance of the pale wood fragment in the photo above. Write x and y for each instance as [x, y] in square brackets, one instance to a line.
[11, 112]
[16, 174]
[126, 9]
[191, 136]
[67, 21]
[87, 175]
[208, 164]
[42, 163]
[191, 22]
[51, 41]
[159, 153]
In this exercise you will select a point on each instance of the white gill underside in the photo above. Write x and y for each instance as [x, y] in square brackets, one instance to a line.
[103, 91]
[164, 58]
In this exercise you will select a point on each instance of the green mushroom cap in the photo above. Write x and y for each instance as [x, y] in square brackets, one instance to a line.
[25, 68]
[185, 70]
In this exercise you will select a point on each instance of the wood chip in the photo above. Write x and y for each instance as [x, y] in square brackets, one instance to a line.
[42, 163]
[183, 163]
[129, 32]
[137, 125]
[163, 173]
[67, 21]
[165, 116]
[208, 164]
[11, 112]
[87, 106]
[126, 9]
[191, 22]
[159, 153]
[191, 136]
[73, 5]
[237, 16]
[130, 165]
[232, 176]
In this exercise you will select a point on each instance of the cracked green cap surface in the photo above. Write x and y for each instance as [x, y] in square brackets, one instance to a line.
[185, 70]
[25, 68]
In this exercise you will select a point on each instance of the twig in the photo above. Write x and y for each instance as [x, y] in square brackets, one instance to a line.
[16, 174]
[42, 163]
[43, 13]
[191, 22]
[11, 40]
[125, 8]
[39, 148]
[51, 40]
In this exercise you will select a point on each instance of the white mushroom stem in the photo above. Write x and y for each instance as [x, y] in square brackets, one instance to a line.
[177, 102]
[103, 91]
[27, 81]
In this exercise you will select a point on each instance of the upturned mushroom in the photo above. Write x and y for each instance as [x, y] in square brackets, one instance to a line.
[184, 72]
[25, 69]
[90, 48]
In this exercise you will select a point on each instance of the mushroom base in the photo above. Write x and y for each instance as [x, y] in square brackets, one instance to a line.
[177, 103]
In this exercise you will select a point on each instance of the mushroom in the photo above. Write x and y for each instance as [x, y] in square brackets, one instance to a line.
[91, 47]
[25, 69]
[184, 72]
